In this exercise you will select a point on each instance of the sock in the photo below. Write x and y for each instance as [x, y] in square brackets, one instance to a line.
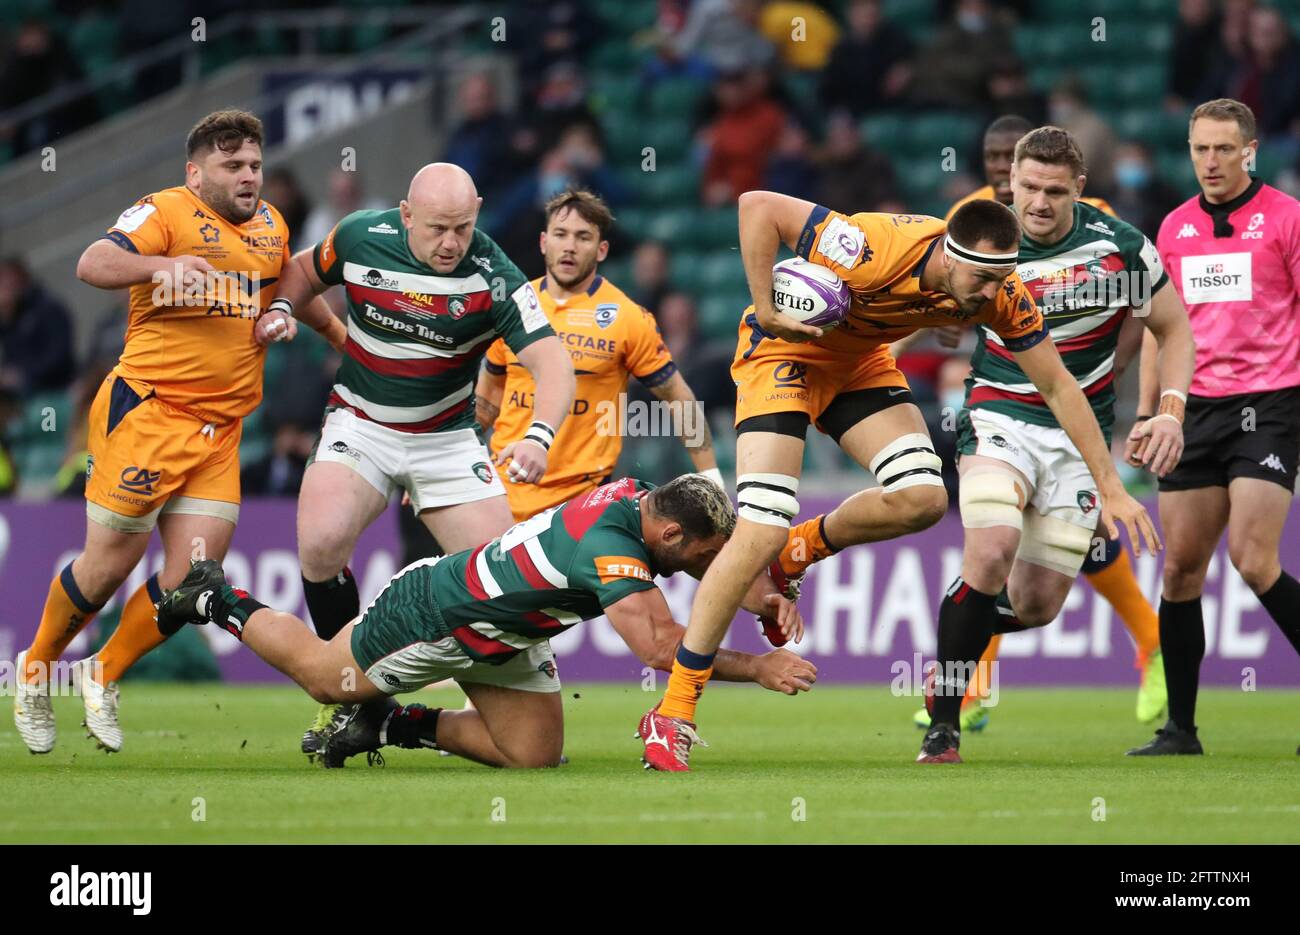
[333, 602]
[965, 625]
[686, 683]
[1282, 601]
[1006, 620]
[979, 683]
[806, 544]
[1182, 645]
[66, 613]
[411, 726]
[137, 632]
[229, 609]
[1117, 583]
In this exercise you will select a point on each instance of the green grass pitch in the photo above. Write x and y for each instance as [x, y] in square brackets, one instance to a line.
[840, 758]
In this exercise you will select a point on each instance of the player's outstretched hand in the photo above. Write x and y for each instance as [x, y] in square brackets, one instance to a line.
[786, 328]
[1155, 443]
[783, 671]
[1119, 507]
[274, 326]
[527, 461]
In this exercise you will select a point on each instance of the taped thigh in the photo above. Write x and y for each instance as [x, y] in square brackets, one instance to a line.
[990, 496]
[1054, 543]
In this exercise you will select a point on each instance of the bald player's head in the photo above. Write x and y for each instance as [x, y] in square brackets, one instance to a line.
[439, 212]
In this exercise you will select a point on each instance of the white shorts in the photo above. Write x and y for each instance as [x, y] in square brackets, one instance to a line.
[420, 664]
[435, 468]
[1061, 486]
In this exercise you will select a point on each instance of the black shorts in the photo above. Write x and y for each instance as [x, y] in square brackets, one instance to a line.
[1247, 435]
[845, 411]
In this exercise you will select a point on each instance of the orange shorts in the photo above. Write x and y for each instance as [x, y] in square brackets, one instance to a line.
[147, 456]
[776, 376]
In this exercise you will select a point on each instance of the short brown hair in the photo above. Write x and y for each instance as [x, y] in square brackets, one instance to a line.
[225, 130]
[1225, 108]
[587, 205]
[985, 219]
[1051, 145]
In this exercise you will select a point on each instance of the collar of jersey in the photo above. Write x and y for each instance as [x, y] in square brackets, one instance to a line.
[596, 283]
[1228, 207]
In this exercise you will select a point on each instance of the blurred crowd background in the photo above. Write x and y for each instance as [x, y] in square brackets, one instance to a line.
[669, 110]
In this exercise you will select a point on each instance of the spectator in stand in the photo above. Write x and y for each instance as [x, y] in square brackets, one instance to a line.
[1267, 79]
[39, 62]
[1068, 108]
[741, 137]
[1196, 43]
[279, 474]
[561, 103]
[1139, 195]
[1010, 92]
[650, 269]
[869, 68]
[791, 169]
[550, 33]
[478, 141]
[854, 177]
[802, 32]
[957, 61]
[718, 36]
[35, 334]
[291, 409]
[345, 194]
[282, 190]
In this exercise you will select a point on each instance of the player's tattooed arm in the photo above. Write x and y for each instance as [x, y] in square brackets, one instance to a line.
[694, 425]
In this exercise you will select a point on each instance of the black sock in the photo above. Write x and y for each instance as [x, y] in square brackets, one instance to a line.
[1007, 621]
[230, 609]
[411, 726]
[1182, 645]
[1282, 601]
[333, 602]
[965, 625]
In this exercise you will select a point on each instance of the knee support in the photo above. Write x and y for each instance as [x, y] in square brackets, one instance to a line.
[767, 498]
[1054, 543]
[907, 461]
[990, 496]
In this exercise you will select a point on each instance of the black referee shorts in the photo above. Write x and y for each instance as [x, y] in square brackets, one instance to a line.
[1247, 435]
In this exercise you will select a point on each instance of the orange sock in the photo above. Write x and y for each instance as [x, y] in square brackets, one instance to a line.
[686, 683]
[1117, 583]
[979, 683]
[136, 633]
[805, 545]
[66, 613]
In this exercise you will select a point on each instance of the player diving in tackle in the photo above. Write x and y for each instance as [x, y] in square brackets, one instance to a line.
[484, 617]
[905, 272]
[1087, 272]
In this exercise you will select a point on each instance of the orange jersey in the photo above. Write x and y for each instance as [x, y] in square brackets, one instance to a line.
[986, 192]
[610, 338]
[880, 258]
[196, 350]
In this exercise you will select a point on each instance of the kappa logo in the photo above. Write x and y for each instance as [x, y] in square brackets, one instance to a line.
[1187, 230]
[482, 471]
[1273, 462]
[789, 373]
[605, 314]
[1087, 501]
[139, 480]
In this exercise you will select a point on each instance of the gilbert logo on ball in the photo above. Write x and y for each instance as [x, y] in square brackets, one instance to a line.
[809, 293]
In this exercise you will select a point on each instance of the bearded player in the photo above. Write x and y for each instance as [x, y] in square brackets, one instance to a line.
[200, 260]
[484, 617]
[904, 272]
[1233, 253]
[610, 338]
[1028, 500]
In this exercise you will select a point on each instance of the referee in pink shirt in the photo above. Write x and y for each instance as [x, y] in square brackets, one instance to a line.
[1233, 253]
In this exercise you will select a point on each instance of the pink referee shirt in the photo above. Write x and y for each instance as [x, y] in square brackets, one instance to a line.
[1242, 291]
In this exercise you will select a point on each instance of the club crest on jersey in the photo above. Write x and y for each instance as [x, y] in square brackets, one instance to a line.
[482, 471]
[1087, 501]
[457, 305]
[265, 212]
[547, 667]
[211, 234]
[605, 315]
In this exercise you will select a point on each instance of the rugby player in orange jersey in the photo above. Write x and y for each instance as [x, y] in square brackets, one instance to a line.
[904, 272]
[201, 260]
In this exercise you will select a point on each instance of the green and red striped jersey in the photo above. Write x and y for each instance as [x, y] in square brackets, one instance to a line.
[545, 574]
[1085, 285]
[416, 337]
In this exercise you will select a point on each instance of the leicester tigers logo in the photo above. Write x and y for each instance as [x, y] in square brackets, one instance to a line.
[482, 471]
[457, 305]
[1087, 501]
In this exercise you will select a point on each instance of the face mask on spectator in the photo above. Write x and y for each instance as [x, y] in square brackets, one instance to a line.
[1132, 174]
[953, 399]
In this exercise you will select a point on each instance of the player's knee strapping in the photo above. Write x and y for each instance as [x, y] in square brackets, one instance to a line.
[1054, 543]
[990, 496]
[767, 498]
[907, 461]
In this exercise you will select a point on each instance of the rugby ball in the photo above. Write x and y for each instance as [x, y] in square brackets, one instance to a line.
[809, 293]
